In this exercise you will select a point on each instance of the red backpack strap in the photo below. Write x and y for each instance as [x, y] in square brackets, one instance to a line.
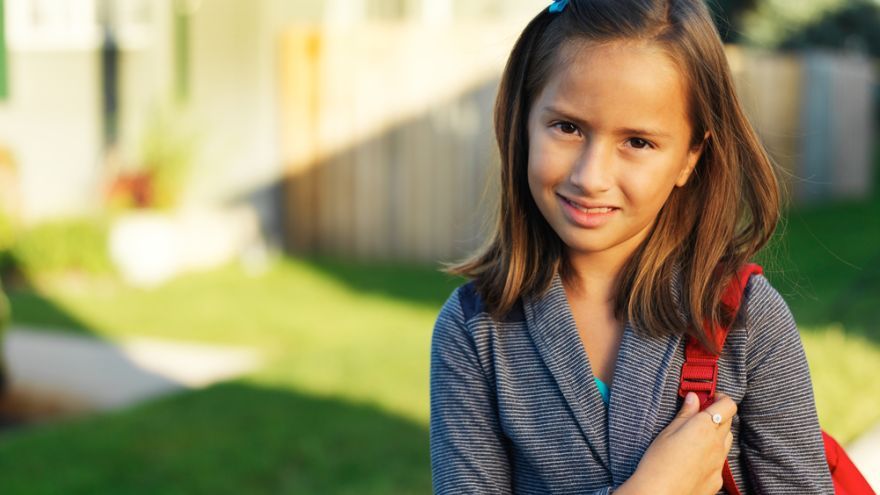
[699, 373]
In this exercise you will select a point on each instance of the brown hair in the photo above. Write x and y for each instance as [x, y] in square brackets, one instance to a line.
[706, 230]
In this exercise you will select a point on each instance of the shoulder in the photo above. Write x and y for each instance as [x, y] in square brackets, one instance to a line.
[465, 304]
[460, 335]
[461, 305]
[769, 323]
[473, 306]
[763, 305]
[470, 301]
[458, 309]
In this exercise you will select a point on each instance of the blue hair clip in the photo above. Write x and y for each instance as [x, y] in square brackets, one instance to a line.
[558, 6]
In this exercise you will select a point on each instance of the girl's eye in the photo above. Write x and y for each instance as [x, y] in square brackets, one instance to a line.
[566, 127]
[639, 143]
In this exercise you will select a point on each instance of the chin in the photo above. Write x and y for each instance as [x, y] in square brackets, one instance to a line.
[578, 244]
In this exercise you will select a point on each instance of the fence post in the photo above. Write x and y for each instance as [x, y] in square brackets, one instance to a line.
[299, 78]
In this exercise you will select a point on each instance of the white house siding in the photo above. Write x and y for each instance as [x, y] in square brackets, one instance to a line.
[50, 120]
[51, 123]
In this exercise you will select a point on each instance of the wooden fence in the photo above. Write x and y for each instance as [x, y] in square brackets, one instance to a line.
[386, 133]
[815, 113]
[387, 138]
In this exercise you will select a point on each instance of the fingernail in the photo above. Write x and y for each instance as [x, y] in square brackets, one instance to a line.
[691, 398]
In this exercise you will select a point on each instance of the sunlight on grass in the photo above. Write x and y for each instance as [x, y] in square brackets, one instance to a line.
[844, 370]
[320, 334]
[326, 337]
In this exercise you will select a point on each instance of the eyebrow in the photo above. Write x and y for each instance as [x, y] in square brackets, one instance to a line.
[621, 130]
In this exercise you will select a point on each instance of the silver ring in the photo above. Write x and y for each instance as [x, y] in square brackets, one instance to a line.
[716, 418]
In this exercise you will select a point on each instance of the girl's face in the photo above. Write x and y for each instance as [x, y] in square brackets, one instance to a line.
[609, 138]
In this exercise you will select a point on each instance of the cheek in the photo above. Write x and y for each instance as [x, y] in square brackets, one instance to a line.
[536, 181]
[540, 169]
[543, 177]
[546, 167]
[651, 190]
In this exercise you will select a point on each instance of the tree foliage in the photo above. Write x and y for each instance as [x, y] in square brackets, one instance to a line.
[785, 24]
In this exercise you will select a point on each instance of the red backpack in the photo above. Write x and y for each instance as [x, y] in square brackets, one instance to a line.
[699, 374]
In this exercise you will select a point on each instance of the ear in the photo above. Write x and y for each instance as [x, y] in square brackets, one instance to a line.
[693, 157]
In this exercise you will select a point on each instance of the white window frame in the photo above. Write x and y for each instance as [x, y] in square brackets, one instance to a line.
[134, 33]
[52, 25]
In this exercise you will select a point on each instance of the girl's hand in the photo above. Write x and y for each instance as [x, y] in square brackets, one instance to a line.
[688, 455]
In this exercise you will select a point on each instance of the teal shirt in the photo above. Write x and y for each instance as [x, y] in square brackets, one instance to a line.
[603, 389]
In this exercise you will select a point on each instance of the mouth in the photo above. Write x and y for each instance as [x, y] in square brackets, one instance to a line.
[587, 216]
[588, 209]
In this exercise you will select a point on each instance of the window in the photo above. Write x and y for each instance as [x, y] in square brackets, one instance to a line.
[52, 24]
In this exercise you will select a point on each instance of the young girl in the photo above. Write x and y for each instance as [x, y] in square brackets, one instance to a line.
[633, 189]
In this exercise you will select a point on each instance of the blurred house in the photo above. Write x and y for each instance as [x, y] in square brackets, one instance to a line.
[86, 82]
[82, 81]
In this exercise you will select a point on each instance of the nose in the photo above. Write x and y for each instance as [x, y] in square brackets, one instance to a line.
[591, 173]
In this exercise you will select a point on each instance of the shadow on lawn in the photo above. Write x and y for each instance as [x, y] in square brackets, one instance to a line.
[825, 261]
[230, 438]
[36, 309]
[417, 284]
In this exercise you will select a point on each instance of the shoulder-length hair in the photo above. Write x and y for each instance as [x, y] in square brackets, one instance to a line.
[706, 230]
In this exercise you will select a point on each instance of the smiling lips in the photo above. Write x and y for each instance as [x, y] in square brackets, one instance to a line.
[587, 216]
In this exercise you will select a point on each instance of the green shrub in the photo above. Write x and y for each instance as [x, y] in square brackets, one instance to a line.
[167, 153]
[5, 314]
[8, 234]
[72, 245]
[787, 25]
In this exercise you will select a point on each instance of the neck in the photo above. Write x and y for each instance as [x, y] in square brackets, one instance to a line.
[594, 275]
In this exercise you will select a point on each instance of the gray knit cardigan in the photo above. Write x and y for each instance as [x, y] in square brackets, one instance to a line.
[514, 408]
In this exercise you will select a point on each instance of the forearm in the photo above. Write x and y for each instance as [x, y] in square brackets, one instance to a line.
[632, 487]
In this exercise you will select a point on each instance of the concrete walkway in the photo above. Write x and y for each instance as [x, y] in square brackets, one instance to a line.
[102, 375]
[865, 453]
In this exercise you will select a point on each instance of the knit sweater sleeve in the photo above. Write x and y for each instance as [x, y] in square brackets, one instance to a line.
[467, 446]
[780, 437]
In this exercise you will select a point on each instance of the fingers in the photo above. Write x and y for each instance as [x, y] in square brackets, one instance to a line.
[724, 406]
[690, 415]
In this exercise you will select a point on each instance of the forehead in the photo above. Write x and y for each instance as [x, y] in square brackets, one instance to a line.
[623, 83]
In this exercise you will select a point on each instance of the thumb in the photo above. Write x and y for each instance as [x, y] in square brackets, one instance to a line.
[690, 407]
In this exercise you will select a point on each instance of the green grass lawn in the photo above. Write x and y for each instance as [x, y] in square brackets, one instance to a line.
[826, 263]
[342, 404]
[341, 407]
